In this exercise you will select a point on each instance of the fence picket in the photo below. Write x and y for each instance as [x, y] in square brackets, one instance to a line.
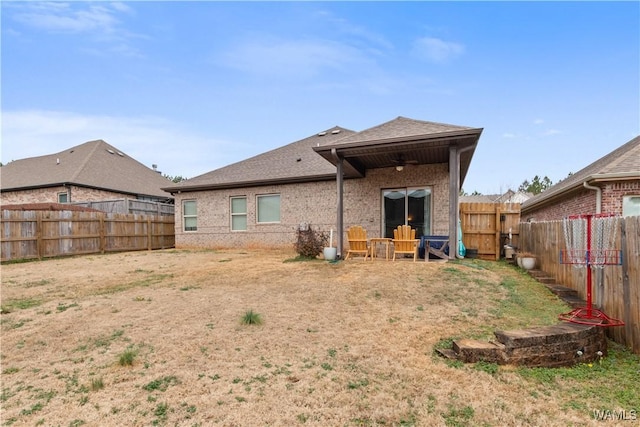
[41, 234]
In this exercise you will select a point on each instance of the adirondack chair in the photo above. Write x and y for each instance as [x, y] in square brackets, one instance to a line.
[358, 243]
[405, 242]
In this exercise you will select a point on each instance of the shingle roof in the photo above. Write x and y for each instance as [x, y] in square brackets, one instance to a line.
[94, 164]
[295, 162]
[623, 162]
[398, 128]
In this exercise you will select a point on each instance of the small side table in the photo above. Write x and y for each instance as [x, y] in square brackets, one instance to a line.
[374, 246]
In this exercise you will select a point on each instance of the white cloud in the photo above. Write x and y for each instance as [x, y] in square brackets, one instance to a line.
[550, 132]
[437, 50]
[538, 121]
[291, 58]
[509, 135]
[65, 17]
[149, 140]
[99, 21]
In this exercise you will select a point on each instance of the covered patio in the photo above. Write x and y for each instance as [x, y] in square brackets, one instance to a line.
[399, 143]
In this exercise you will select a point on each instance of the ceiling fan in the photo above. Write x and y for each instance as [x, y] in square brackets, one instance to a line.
[401, 162]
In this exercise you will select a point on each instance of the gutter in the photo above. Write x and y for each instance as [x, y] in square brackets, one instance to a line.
[410, 139]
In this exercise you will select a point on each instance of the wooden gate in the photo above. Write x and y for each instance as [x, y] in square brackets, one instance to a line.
[487, 227]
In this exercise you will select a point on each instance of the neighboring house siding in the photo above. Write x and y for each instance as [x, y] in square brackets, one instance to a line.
[50, 195]
[37, 195]
[613, 193]
[313, 203]
[583, 201]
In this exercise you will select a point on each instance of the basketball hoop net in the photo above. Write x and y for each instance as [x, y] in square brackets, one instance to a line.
[589, 241]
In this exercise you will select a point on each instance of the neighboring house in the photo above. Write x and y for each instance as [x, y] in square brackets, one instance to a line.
[92, 171]
[509, 196]
[608, 185]
[401, 172]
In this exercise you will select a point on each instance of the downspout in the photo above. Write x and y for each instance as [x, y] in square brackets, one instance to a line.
[457, 193]
[339, 211]
[598, 191]
[68, 186]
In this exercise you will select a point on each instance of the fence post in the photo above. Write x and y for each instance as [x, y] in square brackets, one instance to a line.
[498, 231]
[102, 233]
[149, 234]
[39, 245]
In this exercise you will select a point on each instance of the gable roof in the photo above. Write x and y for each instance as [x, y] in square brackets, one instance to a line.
[94, 164]
[398, 129]
[622, 163]
[294, 162]
[402, 139]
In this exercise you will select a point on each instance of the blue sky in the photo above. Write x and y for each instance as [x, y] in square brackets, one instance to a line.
[194, 86]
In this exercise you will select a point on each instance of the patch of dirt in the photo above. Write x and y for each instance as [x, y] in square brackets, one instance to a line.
[346, 343]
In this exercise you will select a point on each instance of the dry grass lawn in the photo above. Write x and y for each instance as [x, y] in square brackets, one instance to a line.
[341, 344]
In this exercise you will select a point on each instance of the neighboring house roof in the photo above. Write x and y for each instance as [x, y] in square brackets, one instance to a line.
[94, 164]
[295, 162]
[479, 198]
[620, 164]
[509, 197]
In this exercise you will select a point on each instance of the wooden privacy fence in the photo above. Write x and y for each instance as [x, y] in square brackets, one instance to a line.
[486, 226]
[41, 234]
[615, 290]
[130, 206]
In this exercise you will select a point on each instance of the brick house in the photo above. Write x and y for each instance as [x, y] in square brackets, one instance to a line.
[611, 184]
[403, 171]
[92, 171]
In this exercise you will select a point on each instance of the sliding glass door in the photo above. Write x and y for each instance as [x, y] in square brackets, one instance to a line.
[410, 206]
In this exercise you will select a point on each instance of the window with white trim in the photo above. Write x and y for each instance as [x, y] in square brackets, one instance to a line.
[268, 207]
[63, 197]
[631, 206]
[238, 213]
[190, 215]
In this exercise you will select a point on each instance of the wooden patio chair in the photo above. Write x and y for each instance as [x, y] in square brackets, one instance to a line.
[405, 242]
[358, 243]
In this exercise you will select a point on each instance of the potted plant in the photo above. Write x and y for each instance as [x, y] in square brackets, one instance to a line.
[526, 260]
[330, 252]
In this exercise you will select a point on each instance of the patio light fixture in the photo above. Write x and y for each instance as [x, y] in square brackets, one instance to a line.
[399, 168]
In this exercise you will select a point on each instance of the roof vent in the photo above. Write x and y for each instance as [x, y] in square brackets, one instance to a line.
[111, 151]
[322, 134]
[120, 154]
[299, 159]
[335, 131]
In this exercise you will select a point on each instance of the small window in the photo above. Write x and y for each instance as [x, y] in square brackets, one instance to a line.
[238, 213]
[268, 208]
[63, 197]
[631, 206]
[190, 215]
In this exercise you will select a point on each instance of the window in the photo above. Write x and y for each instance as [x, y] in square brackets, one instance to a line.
[190, 215]
[238, 213]
[63, 197]
[268, 208]
[631, 206]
